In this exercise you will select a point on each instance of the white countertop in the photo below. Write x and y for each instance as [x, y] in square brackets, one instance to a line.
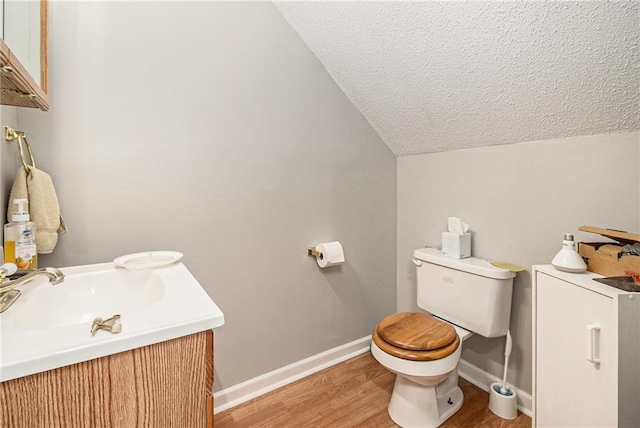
[49, 326]
[582, 279]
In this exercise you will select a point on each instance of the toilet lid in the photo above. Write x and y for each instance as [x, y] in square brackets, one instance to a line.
[406, 354]
[416, 331]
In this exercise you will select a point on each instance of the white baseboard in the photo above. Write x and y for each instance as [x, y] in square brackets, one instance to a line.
[483, 380]
[252, 388]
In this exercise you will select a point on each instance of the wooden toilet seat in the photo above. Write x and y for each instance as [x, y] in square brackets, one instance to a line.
[415, 336]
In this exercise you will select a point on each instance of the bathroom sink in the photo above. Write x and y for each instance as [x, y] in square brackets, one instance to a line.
[84, 296]
[49, 326]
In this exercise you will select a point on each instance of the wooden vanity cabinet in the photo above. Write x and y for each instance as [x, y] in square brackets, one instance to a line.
[167, 384]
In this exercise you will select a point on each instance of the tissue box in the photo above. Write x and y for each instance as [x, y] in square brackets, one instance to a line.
[454, 245]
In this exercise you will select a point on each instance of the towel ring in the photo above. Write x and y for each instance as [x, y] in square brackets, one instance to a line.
[22, 137]
[11, 135]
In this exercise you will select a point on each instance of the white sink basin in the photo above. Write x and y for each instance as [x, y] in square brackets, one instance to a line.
[49, 325]
[84, 296]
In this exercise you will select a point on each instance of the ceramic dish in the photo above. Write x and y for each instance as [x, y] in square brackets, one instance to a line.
[148, 260]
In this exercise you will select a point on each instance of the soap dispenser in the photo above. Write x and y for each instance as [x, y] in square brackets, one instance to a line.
[20, 239]
[568, 259]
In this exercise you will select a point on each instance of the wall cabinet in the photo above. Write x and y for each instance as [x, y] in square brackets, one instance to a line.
[24, 83]
[167, 384]
[586, 345]
[18, 88]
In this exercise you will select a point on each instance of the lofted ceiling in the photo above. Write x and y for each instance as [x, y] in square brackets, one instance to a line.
[438, 76]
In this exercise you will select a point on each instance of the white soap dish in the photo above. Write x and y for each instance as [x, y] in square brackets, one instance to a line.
[148, 260]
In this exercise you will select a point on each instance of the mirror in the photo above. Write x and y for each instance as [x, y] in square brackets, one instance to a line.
[23, 53]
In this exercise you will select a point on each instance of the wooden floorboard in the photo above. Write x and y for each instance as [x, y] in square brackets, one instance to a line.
[354, 393]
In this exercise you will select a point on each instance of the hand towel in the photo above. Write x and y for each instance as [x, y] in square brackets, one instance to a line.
[36, 186]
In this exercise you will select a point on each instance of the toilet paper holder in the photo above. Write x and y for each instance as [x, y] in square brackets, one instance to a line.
[313, 252]
[327, 253]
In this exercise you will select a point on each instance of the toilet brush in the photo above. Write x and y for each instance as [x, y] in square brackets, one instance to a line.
[507, 354]
[502, 399]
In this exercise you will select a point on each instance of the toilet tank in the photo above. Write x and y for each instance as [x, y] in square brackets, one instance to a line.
[471, 292]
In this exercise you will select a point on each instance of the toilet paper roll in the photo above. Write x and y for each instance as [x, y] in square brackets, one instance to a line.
[331, 254]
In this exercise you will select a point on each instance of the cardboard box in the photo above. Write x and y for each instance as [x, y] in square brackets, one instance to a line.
[457, 246]
[604, 257]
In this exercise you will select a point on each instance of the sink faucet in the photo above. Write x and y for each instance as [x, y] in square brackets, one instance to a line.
[55, 277]
[7, 293]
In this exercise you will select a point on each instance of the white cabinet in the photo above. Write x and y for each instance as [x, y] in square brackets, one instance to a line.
[586, 346]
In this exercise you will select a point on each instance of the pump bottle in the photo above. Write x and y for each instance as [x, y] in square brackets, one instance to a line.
[20, 239]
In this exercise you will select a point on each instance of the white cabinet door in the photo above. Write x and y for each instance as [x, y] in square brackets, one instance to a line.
[574, 325]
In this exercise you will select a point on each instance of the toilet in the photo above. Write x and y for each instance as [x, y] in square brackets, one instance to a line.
[460, 297]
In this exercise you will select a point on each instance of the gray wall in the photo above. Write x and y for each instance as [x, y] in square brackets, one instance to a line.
[210, 128]
[9, 159]
[519, 200]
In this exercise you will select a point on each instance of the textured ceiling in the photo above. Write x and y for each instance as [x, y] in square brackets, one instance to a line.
[439, 76]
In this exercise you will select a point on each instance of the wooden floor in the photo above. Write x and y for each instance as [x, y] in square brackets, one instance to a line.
[351, 394]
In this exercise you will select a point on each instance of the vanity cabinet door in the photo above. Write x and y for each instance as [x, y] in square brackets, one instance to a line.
[166, 384]
[575, 328]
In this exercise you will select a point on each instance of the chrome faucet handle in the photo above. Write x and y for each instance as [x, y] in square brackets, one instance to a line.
[95, 325]
[112, 320]
[110, 324]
